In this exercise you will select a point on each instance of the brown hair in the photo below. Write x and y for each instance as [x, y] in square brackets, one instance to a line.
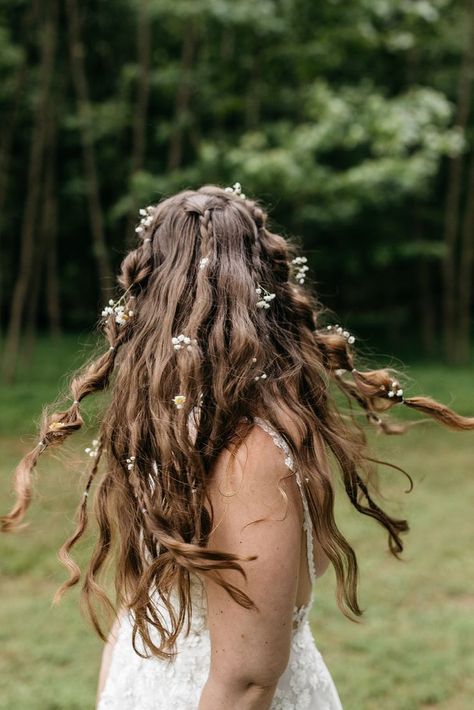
[201, 256]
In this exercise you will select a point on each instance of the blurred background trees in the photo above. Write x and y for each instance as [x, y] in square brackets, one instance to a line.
[350, 119]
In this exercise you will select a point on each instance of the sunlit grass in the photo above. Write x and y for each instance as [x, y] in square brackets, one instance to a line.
[414, 647]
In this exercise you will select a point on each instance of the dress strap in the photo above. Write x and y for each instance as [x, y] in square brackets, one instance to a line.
[307, 522]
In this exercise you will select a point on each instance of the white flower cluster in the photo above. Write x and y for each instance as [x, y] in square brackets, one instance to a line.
[130, 462]
[263, 376]
[301, 268]
[179, 401]
[203, 262]
[93, 450]
[340, 331]
[116, 309]
[267, 297]
[396, 391]
[147, 215]
[183, 341]
[236, 189]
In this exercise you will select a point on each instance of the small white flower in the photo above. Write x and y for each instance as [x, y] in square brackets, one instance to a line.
[147, 215]
[341, 331]
[203, 262]
[399, 393]
[183, 341]
[179, 401]
[267, 297]
[118, 310]
[236, 189]
[300, 263]
[130, 462]
[93, 450]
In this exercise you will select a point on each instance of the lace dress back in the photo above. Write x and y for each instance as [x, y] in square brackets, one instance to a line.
[136, 683]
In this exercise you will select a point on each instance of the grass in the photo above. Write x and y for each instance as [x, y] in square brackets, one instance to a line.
[414, 647]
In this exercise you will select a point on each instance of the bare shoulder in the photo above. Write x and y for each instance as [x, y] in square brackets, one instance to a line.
[252, 474]
[256, 515]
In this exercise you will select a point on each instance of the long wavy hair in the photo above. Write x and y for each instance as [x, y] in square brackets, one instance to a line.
[201, 257]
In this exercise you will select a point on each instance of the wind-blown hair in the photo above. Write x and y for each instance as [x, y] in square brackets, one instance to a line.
[195, 271]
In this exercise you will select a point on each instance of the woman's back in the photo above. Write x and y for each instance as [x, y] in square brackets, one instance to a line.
[150, 684]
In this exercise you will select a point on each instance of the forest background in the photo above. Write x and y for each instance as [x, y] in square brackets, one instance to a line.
[352, 121]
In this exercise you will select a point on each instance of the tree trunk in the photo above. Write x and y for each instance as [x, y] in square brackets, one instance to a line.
[76, 50]
[141, 111]
[9, 124]
[50, 232]
[466, 271]
[26, 265]
[183, 98]
[425, 290]
[453, 197]
[427, 307]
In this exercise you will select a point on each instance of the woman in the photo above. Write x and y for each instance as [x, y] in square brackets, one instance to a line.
[215, 500]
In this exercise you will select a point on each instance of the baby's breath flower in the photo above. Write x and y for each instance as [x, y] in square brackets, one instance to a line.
[147, 215]
[264, 301]
[236, 189]
[179, 401]
[93, 450]
[301, 268]
[183, 341]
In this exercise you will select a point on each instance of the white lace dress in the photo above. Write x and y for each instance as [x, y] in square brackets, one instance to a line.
[136, 683]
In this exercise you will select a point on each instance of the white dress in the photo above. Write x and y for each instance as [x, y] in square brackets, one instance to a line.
[136, 683]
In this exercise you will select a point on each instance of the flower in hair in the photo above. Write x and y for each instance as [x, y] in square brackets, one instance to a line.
[340, 331]
[116, 309]
[94, 449]
[183, 341]
[395, 390]
[130, 462]
[203, 262]
[263, 376]
[236, 189]
[147, 215]
[264, 301]
[55, 426]
[179, 401]
[301, 268]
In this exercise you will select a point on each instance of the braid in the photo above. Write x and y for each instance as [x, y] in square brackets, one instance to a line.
[55, 428]
[81, 519]
[259, 218]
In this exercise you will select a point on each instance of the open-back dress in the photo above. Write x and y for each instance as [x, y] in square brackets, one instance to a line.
[136, 683]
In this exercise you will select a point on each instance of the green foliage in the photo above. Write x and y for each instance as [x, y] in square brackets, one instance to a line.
[338, 115]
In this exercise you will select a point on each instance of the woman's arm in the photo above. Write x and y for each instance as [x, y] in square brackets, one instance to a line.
[250, 648]
[107, 654]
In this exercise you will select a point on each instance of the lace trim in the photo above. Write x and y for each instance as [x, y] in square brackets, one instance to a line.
[307, 523]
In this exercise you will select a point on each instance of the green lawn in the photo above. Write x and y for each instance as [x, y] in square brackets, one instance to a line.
[414, 647]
